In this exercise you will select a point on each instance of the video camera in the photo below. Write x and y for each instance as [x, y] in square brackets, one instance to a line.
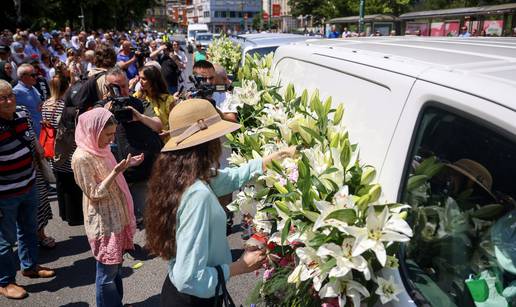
[119, 104]
[205, 90]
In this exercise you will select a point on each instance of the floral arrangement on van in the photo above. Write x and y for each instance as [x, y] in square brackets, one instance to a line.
[318, 214]
[225, 53]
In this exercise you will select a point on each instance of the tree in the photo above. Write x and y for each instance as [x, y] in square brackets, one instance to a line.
[319, 9]
[257, 22]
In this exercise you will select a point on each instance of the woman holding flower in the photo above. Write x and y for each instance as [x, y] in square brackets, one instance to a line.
[185, 222]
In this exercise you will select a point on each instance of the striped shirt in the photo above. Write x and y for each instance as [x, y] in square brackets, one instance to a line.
[17, 171]
[52, 111]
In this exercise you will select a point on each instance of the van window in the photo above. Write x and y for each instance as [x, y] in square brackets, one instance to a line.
[461, 186]
[262, 51]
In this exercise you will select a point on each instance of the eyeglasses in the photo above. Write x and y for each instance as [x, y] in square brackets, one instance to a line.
[7, 97]
[33, 75]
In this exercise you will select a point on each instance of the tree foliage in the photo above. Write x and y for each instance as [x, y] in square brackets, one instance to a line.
[118, 14]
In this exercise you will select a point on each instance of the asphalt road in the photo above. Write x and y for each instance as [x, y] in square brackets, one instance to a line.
[74, 283]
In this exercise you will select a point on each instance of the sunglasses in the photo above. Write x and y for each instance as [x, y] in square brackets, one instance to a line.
[34, 75]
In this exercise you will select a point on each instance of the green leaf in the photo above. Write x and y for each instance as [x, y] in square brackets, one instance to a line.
[345, 155]
[330, 171]
[312, 216]
[339, 112]
[315, 101]
[348, 216]
[285, 231]
[328, 265]
[304, 98]
[262, 193]
[416, 181]
[327, 107]
[314, 134]
[290, 93]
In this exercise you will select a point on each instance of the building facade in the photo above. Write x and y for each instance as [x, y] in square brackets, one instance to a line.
[279, 11]
[224, 15]
[157, 16]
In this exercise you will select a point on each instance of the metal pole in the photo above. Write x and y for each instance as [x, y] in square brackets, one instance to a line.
[270, 14]
[361, 17]
[82, 19]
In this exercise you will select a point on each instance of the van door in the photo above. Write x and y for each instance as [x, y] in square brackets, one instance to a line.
[453, 160]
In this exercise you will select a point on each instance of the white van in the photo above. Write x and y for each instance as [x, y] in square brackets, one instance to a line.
[192, 31]
[409, 99]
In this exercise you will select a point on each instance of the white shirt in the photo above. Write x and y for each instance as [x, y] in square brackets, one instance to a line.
[223, 102]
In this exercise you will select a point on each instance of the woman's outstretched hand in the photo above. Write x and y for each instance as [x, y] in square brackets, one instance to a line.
[249, 262]
[278, 156]
[130, 161]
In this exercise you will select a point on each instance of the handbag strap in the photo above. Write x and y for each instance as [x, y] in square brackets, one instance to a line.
[227, 300]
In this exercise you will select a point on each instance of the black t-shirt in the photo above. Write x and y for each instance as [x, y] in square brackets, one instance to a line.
[136, 138]
[169, 69]
[42, 88]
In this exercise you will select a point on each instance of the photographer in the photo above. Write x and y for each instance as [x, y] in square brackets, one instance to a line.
[136, 134]
[170, 66]
[127, 60]
[216, 76]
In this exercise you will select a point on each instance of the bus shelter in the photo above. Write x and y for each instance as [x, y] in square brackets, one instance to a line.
[492, 20]
[372, 23]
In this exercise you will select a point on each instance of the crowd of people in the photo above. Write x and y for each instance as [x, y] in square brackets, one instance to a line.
[101, 115]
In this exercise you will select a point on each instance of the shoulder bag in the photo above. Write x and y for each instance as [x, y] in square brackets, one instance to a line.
[227, 301]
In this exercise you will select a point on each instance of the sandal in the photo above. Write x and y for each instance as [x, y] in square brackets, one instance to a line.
[47, 242]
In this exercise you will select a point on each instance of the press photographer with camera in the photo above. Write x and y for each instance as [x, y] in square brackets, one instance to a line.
[170, 66]
[127, 60]
[136, 133]
[212, 83]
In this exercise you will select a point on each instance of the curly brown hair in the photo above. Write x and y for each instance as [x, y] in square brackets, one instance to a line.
[172, 174]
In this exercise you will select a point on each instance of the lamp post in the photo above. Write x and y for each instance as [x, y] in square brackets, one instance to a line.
[361, 17]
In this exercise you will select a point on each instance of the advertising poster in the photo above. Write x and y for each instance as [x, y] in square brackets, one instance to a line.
[493, 27]
[413, 27]
[437, 29]
[451, 28]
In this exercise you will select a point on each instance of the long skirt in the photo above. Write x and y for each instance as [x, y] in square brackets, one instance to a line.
[69, 198]
[44, 209]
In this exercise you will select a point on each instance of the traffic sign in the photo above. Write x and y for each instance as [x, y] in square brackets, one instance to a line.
[265, 16]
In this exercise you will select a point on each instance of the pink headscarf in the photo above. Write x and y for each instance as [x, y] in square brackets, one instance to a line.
[89, 127]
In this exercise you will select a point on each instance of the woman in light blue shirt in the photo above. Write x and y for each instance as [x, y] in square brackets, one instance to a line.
[185, 222]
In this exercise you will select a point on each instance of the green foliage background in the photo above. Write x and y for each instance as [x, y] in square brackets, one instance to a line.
[107, 14]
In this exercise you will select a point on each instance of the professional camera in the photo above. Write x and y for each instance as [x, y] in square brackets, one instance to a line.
[119, 104]
[205, 90]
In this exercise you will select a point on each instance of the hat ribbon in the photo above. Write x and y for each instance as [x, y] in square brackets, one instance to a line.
[202, 124]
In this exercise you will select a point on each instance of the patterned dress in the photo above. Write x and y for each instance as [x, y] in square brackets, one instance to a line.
[108, 221]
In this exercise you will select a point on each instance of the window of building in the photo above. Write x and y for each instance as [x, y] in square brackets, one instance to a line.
[206, 13]
[232, 14]
[461, 190]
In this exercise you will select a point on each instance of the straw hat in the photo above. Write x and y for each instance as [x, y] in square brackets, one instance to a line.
[193, 122]
[474, 171]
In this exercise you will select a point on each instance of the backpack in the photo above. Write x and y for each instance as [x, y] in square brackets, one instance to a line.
[78, 99]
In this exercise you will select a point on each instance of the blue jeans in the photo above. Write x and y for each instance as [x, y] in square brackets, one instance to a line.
[18, 221]
[108, 283]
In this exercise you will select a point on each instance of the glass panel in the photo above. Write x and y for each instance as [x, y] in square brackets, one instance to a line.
[461, 190]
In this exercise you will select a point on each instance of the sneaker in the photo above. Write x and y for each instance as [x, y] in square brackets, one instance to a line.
[13, 291]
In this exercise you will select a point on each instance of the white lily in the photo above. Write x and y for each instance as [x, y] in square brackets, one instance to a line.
[248, 93]
[309, 267]
[343, 288]
[345, 260]
[379, 228]
[326, 208]
[246, 202]
[236, 159]
[343, 199]
[387, 290]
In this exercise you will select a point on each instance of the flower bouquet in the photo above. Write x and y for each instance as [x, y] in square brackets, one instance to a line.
[318, 214]
[224, 52]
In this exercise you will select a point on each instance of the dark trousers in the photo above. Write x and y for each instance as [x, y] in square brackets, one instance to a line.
[170, 297]
[69, 198]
